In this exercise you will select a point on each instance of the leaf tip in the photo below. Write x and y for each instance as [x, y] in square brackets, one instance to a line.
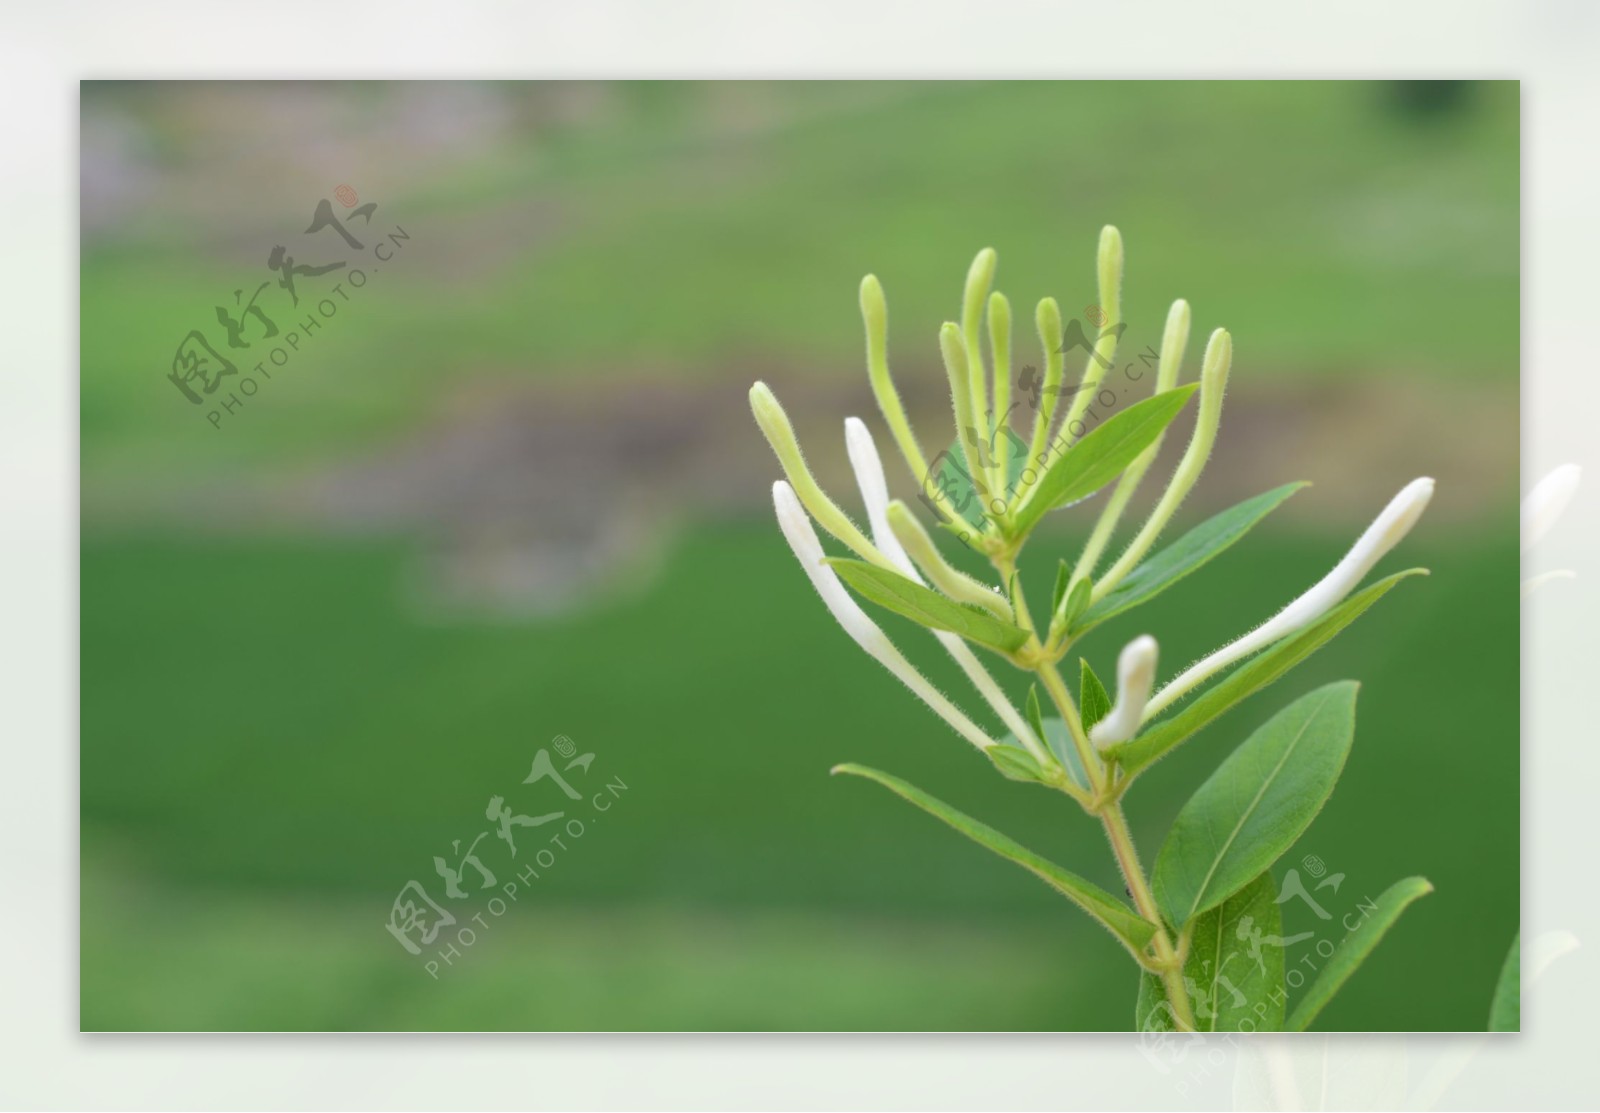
[1344, 689]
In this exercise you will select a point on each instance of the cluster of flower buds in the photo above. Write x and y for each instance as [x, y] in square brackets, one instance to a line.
[1069, 457]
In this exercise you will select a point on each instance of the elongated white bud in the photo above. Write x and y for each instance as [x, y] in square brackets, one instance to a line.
[868, 467]
[1546, 502]
[1382, 535]
[802, 538]
[1136, 674]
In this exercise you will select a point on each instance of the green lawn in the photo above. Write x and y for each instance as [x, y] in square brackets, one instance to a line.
[272, 747]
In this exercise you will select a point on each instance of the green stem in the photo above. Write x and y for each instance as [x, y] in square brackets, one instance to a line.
[1168, 957]
[1092, 766]
[1110, 515]
[1108, 806]
[1104, 801]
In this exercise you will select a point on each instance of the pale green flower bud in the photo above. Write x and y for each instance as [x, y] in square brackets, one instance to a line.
[1213, 384]
[780, 435]
[948, 579]
[875, 493]
[956, 367]
[875, 315]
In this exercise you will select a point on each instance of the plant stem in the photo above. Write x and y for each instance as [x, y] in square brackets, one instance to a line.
[1092, 766]
[1108, 806]
[1104, 801]
[1166, 954]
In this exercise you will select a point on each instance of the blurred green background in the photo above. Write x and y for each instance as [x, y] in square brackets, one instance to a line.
[511, 490]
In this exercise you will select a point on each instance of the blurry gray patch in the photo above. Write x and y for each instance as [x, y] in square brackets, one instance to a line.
[532, 499]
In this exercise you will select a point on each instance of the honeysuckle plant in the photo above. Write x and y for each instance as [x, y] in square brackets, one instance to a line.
[1201, 922]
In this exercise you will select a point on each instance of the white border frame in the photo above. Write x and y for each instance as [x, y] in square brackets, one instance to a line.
[46, 49]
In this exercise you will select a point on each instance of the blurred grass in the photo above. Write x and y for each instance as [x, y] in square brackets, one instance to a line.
[162, 959]
[316, 743]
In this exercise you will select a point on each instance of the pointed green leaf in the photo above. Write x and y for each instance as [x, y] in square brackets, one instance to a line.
[1063, 578]
[1058, 740]
[1067, 615]
[1111, 913]
[1234, 972]
[1505, 1013]
[1101, 455]
[1248, 678]
[950, 476]
[1257, 803]
[1353, 950]
[1184, 555]
[1015, 763]
[1093, 699]
[1035, 716]
[929, 608]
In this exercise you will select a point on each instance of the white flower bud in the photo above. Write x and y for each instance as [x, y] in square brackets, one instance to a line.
[1136, 674]
[868, 467]
[802, 538]
[1382, 535]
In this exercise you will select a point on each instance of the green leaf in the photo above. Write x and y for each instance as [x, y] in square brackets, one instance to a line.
[1076, 602]
[1059, 592]
[929, 608]
[1354, 948]
[1112, 914]
[1015, 762]
[1248, 678]
[1093, 699]
[1234, 979]
[1058, 740]
[1035, 716]
[1185, 555]
[1505, 1013]
[1101, 455]
[950, 476]
[1257, 803]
